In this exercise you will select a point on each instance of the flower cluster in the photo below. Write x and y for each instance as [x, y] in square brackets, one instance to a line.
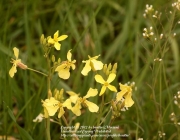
[149, 9]
[174, 119]
[177, 99]
[148, 33]
[56, 102]
[161, 134]
[176, 5]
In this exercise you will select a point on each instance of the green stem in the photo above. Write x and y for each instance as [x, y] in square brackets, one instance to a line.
[100, 111]
[48, 129]
[48, 95]
[65, 121]
[100, 114]
[37, 71]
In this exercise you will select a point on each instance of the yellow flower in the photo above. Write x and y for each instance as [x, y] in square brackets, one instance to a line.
[106, 84]
[76, 109]
[16, 62]
[91, 106]
[64, 68]
[126, 92]
[93, 64]
[56, 39]
[52, 105]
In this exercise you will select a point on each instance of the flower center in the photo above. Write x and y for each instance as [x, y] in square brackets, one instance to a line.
[106, 84]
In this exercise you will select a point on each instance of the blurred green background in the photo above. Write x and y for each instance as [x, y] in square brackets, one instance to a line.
[111, 28]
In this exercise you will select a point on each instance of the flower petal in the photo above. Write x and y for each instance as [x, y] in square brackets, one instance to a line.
[46, 115]
[120, 95]
[128, 101]
[91, 106]
[51, 41]
[91, 93]
[97, 65]
[62, 37]
[73, 66]
[57, 45]
[71, 93]
[102, 90]
[61, 112]
[95, 57]
[63, 72]
[60, 67]
[12, 71]
[99, 79]
[125, 87]
[112, 88]
[76, 109]
[67, 104]
[16, 52]
[51, 105]
[86, 68]
[73, 96]
[111, 77]
[56, 34]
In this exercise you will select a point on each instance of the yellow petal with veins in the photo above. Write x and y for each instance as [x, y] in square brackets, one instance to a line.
[99, 79]
[16, 52]
[91, 93]
[111, 77]
[91, 106]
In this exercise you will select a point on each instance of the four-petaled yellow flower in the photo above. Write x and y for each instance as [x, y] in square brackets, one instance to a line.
[106, 84]
[56, 39]
[76, 109]
[126, 92]
[64, 68]
[93, 64]
[16, 62]
[52, 105]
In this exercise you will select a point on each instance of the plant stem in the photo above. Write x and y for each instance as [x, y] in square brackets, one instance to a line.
[100, 114]
[65, 121]
[48, 96]
[37, 71]
[48, 129]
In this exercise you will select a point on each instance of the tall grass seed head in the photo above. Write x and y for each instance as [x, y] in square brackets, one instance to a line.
[177, 99]
[157, 15]
[176, 4]
[148, 11]
[161, 134]
[148, 33]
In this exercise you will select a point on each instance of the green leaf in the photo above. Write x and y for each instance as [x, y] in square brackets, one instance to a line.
[24, 134]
